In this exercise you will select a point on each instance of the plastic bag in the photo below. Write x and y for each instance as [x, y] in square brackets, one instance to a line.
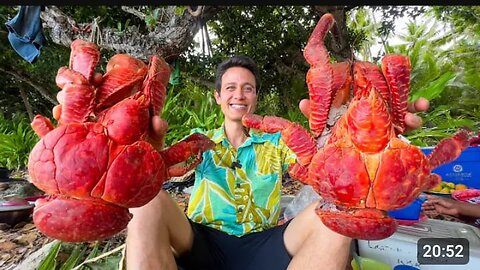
[304, 197]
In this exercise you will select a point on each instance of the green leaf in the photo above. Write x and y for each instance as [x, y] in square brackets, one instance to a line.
[180, 10]
[49, 262]
[109, 263]
[74, 257]
[435, 88]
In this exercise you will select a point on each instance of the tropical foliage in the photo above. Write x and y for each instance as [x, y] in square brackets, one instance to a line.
[16, 141]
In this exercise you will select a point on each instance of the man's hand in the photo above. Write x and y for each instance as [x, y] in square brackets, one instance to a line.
[442, 205]
[412, 121]
[159, 129]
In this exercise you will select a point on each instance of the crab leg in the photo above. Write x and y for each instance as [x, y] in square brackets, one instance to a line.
[449, 149]
[84, 58]
[156, 82]
[77, 94]
[300, 173]
[294, 135]
[366, 74]
[315, 52]
[397, 73]
[41, 125]
[123, 78]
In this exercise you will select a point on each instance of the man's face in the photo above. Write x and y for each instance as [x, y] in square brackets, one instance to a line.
[238, 93]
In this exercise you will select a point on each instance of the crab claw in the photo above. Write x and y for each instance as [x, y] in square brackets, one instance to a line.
[367, 224]
[194, 144]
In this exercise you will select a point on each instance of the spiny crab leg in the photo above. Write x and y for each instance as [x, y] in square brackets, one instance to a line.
[78, 94]
[396, 69]
[77, 102]
[315, 52]
[155, 83]
[366, 75]
[84, 58]
[449, 149]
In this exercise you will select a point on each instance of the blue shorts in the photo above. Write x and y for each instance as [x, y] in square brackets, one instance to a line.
[214, 250]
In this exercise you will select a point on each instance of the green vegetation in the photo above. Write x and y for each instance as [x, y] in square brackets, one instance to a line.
[16, 141]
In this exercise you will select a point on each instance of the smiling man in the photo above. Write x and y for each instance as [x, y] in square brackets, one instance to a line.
[234, 207]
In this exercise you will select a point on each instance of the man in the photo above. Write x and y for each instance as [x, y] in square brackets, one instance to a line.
[234, 205]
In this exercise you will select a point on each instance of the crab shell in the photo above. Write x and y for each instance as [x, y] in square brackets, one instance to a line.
[97, 162]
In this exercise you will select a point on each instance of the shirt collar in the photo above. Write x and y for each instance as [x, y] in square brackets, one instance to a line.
[256, 136]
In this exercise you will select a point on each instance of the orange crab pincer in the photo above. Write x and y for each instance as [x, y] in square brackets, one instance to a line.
[364, 169]
[98, 161]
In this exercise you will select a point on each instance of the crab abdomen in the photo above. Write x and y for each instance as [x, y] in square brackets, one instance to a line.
[386, 180]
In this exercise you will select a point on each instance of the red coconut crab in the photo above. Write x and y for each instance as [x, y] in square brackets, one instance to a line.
[364, 169]
[97, 162]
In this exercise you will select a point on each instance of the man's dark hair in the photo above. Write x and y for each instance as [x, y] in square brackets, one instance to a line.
[236, 61]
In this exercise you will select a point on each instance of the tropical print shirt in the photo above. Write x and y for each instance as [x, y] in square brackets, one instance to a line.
[238, 190]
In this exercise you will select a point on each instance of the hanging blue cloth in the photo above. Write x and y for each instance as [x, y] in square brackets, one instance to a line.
[26, 32]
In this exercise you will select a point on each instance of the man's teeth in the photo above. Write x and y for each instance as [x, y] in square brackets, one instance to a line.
[238, 106]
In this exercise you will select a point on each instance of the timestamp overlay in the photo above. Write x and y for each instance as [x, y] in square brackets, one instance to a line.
[443, 251]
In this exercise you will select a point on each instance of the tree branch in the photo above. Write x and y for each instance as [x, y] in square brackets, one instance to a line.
[168, 39]
[135, 12]
[42, 91]
[26, 103]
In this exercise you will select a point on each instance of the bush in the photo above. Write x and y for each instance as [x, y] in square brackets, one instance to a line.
[16, 141]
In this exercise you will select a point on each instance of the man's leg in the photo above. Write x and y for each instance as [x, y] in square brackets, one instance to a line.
[157, 231]
[314, 246]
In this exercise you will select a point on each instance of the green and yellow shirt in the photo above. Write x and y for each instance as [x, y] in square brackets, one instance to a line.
[244, 198]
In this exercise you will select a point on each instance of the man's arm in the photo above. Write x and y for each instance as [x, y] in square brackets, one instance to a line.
[451, 207]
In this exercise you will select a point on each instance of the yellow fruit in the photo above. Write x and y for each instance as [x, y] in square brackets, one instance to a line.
[445, 190]
[460, 187]
[450, 185]
[437, 188]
